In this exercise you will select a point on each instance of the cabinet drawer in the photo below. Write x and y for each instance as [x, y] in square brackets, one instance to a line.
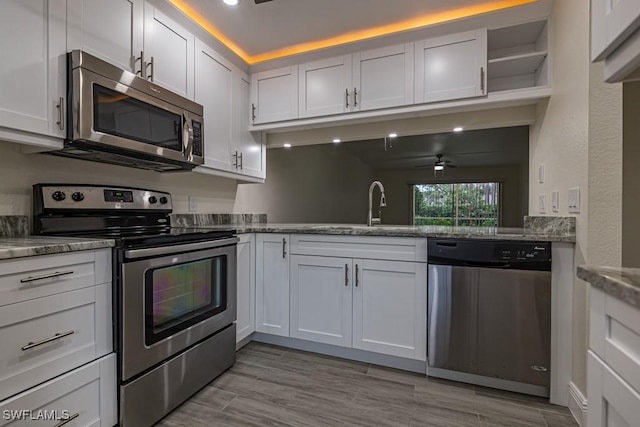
[48, 336]
[365, 247]
[612, 402]
[36, 277]
[614, 335]
[87, 393]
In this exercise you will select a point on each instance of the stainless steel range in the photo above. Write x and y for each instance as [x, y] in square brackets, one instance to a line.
[174, 291]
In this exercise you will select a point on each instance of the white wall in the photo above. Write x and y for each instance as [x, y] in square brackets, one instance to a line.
[320, 183]
[397, 185]
[18, 172]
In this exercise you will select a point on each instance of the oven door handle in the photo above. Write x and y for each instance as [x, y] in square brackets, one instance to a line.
[174, 249]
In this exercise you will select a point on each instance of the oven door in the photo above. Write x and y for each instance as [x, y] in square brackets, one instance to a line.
[172, 297]
[108, 113]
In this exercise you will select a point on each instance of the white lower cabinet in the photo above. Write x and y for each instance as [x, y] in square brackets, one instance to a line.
[272, 284]
[246, 279]
[368, 304]
[390, 308]
[321, 299]
[85, 397]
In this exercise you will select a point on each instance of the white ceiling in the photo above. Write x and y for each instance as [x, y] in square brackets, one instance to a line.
[487, 147]
[263, 28]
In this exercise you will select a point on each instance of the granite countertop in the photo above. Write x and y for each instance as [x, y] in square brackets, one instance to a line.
[621, 283]
[399, 231]
[17, 247]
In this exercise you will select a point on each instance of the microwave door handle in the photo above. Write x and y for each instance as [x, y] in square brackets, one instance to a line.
[187, 136]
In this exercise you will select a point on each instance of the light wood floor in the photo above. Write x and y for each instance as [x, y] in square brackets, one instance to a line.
[276, 386]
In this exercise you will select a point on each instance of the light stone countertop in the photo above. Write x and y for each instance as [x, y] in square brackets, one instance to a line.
[489, 233]
[18, 247]
[621, 283]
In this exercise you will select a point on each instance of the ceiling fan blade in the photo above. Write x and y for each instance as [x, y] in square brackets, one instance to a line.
[261, 1]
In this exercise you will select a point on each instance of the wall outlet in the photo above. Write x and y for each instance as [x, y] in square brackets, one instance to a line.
[541, 174]
[542, 203]
[555, 201]
[193, 204]
[574, 200]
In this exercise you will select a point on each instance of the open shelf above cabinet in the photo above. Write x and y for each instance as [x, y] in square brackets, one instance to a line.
[518, 57]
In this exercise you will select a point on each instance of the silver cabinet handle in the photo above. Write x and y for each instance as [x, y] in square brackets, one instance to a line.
[253, 112]
[482, 79]
[235, 159]
[68, 420]
[60, 107]
[240, 156]
[47, 340]
[284, 247]
[357, 276]
[46, 276]
[346, 274]
[355, 96]
[141, 59]
[152, 74]
[346, 98]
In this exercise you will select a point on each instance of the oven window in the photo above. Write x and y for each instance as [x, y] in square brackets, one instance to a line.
[118, 114]
[179, 296]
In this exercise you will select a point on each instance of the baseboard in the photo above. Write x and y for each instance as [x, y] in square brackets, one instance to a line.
[577, 405]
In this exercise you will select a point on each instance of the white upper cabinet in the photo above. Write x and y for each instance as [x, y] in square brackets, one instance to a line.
[274, 95]
[111, 30]
[33, 68]
[213, 89]
[321, 298]
[324, 87]
[250, 153]
[451, 67]
[383, 78]
[169, 51]
[612, 21]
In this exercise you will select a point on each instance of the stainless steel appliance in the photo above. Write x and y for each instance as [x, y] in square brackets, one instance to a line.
[489, 313]
[114, 116]
[174, 291]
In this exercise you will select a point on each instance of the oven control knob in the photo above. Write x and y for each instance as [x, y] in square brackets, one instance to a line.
[153, 199]
[164, 200]
[58, 196]
[77, 196]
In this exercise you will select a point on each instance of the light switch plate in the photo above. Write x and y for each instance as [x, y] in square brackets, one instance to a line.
[573, 200]
[555, 201]
[542, 203]
[193, 204]
[541, 174]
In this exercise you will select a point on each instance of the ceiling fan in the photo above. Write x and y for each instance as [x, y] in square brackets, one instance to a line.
[262, 1]
[439, 164]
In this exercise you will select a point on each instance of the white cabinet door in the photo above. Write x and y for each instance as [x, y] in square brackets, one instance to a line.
[324, 87]
[389, 308]
[251, 152]
[169, 51]
[612, 21]
[33, 65]
[383, 78]
[274, 95]
[246, 279]
[272, 284]
[612, 401]
[111, 30]
[451, 67]
[321, 299]
[213, 89]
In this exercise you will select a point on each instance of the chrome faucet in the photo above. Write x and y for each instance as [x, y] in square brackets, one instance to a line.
[383, 202]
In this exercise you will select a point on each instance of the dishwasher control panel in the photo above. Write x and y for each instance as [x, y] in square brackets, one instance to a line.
[522, 252]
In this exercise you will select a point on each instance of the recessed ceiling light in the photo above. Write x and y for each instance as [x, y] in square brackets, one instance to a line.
[336, 140]
[458, 129]
[231, 2]
[287, 145]
[393, 135]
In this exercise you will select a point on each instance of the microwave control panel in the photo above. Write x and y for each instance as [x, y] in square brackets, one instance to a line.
[197, 138]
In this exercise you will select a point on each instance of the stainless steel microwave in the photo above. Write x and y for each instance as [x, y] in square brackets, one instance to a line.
[115, 116]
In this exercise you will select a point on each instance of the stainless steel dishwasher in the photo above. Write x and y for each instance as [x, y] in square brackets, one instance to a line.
[489, 313]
